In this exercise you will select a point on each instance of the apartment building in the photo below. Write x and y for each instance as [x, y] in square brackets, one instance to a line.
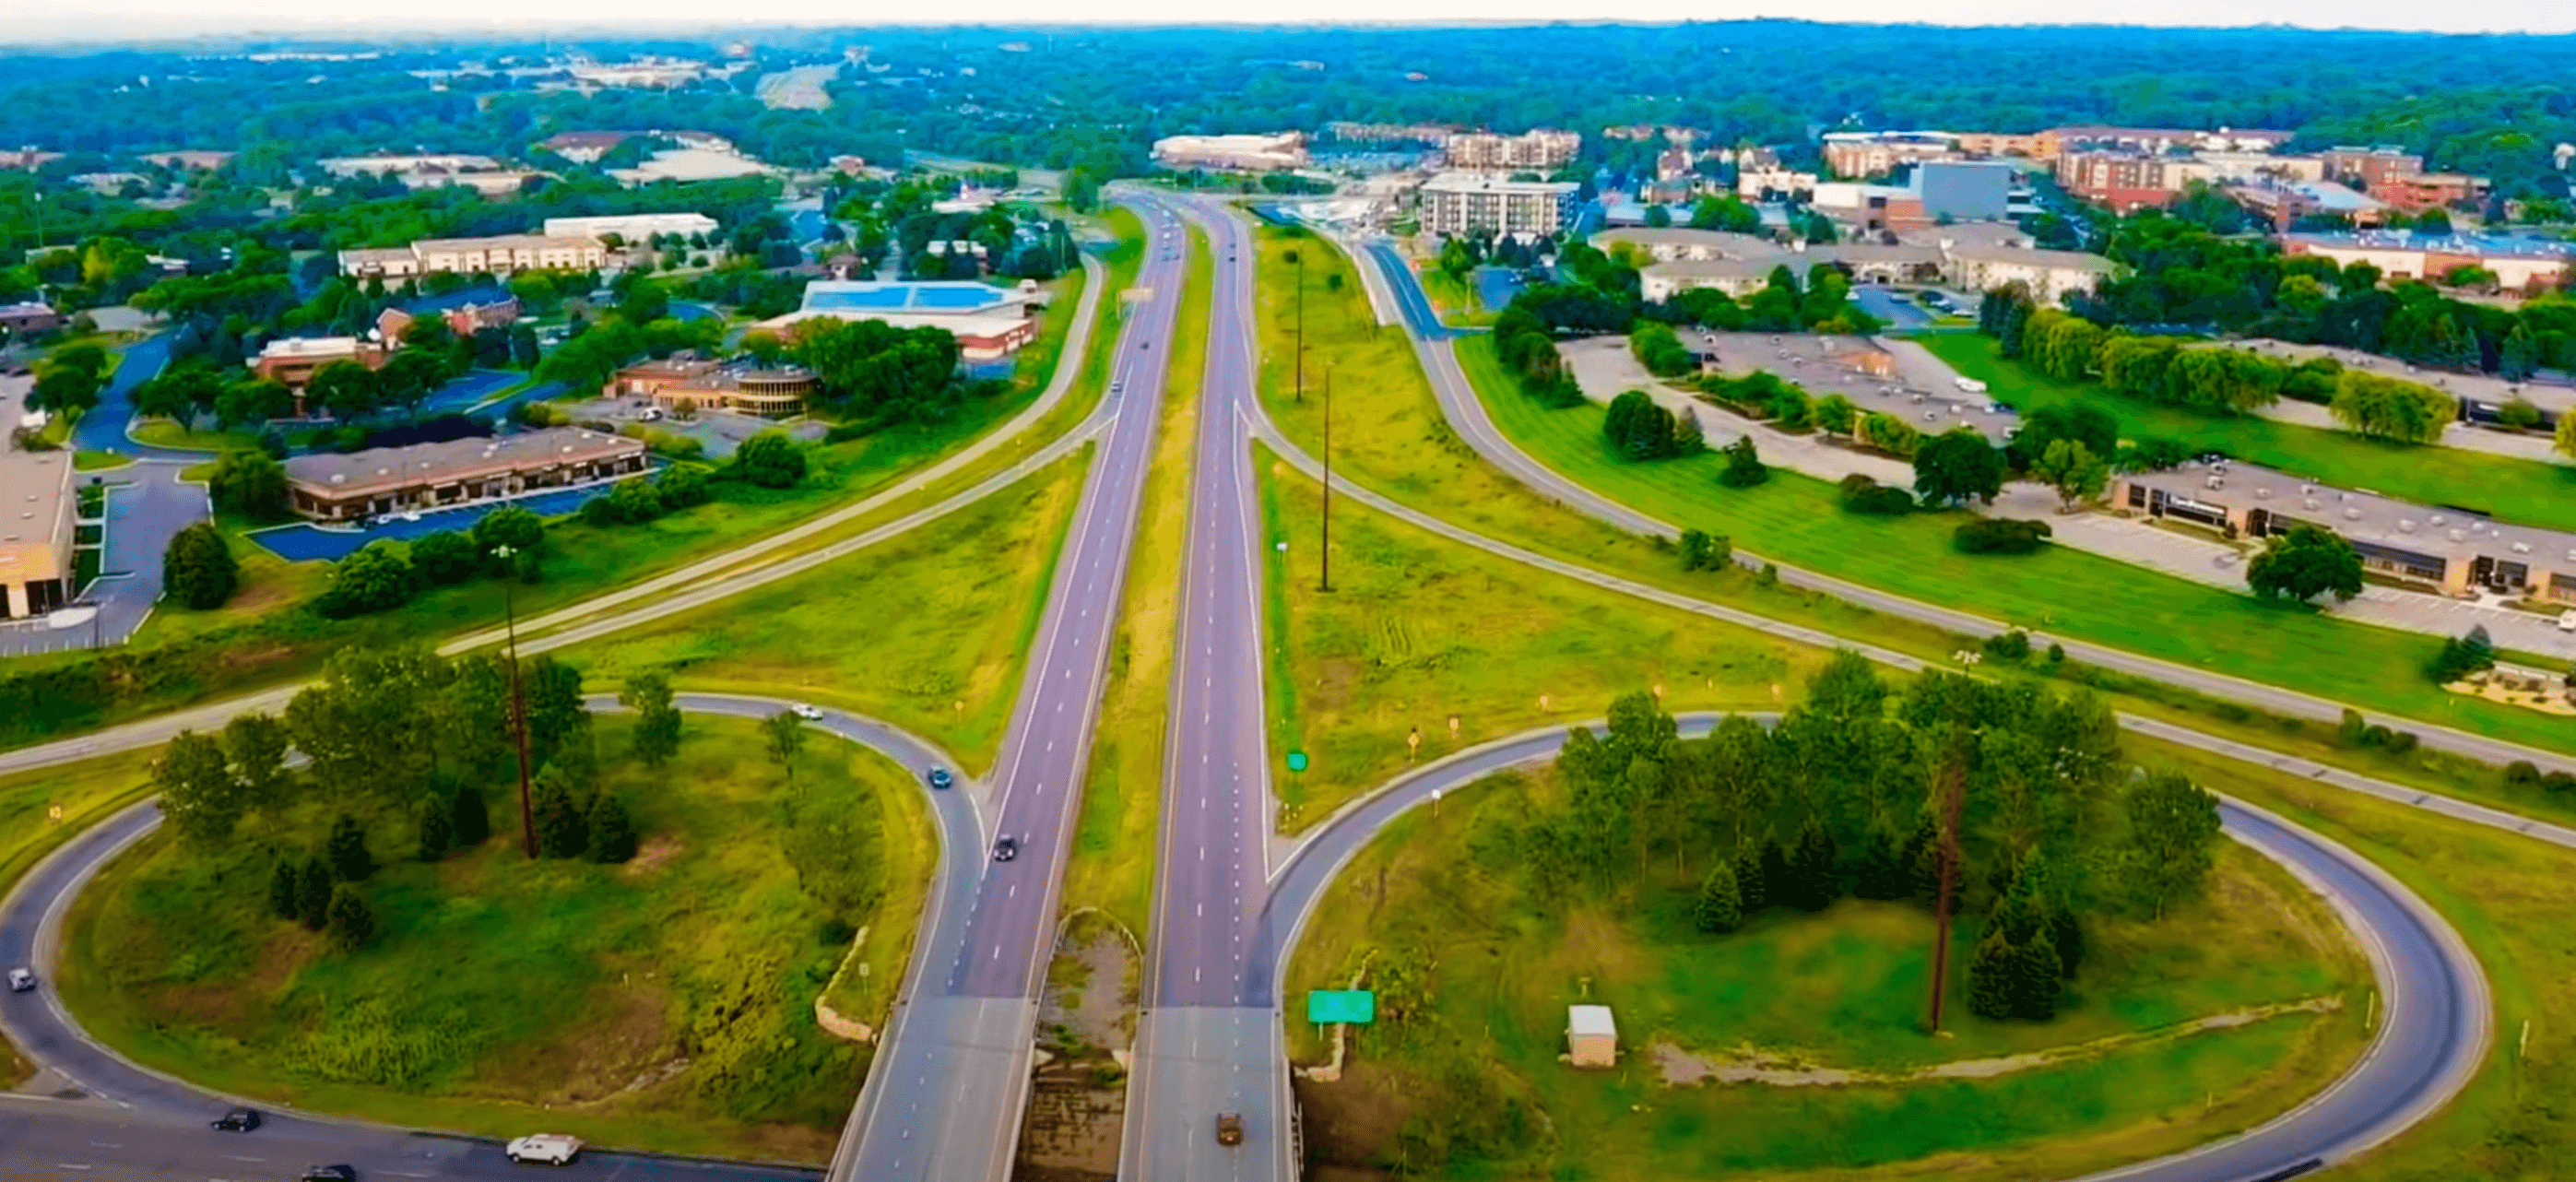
[2128, 181]
[1861, 154]
[2049, 275]
[1457, 203]
[2397, 177]
[500, 255]
[1540, 149]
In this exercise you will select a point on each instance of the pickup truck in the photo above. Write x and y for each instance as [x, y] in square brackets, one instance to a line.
[554, 1149]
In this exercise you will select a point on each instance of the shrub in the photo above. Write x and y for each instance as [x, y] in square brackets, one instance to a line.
[1705, 551]
[771, 460]
[1999, 535]
[445, 558]
[1860, 494]
[353, 923]
[683, 487]
[2522, 773]
[2558, 782]
[198, 568]
[372, 579]
[1744, 467]
[2012, 647]
[2519, 414]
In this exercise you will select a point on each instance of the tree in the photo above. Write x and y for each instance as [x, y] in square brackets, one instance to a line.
[1081, 190]
[1718, 908]
[372, 578]
[347, 850]
[2304, 564]
[313, 894]
[558, 719]
[1744, 468]
[2076, 471]
[249, 483]
[1637, 427]
[2519, 355]
[612, 832]
[771, 460]
[1991, 973]
[283, 883]
[1999, 535]
[437, 827]
[2392, 408]
[199, 793]
[353, 923]
[256, 744]
[563, 825]
[2460, 656]
[657, 721]
[1957, 465]
[1834, 413]
[471, 822]
[522, 531]
[2173, 828]
[785, 734]
[347, 389]
[1812, 884]
[446, 558]
[1705, 551]
[198, 568]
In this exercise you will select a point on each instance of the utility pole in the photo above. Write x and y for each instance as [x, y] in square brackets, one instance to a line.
[1324, 554]
[518, 707]
[1954, 784]
[1300, 256]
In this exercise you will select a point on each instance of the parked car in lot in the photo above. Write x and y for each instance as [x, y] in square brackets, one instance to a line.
[554, 1149]
[22, 980]
[237, 1120]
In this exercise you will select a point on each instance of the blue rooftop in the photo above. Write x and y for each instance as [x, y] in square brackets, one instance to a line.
[2495, 245]
[923, 296]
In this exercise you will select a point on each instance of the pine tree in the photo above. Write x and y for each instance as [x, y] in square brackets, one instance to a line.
[2519, 355]
[562, 832]
[1719, 908]
[437, 828]
[1882, 869]
[612, 832]
[353, 923]
[347, 850]
[1990, 977]
[2066, 933]
[2036, 979]
[471, 823]
[313, 894]
[1752, 890]
[1812, 869]
[1776, 884]
[282, 886]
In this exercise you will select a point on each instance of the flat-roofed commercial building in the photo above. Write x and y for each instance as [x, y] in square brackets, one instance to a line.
[498, 255]
[2448, 550]
[333, 487]
[631, 227]
[1460, 203]
[2048, 274]
[2518, 263]
[292, 361]
[36, 532]
[691, 384]
[988, 322]
[1233, 153]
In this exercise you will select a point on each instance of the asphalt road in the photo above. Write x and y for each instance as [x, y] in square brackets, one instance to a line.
[947, 1091]
[2435, 1015]
[1467, 416]
[107, 1117]
[1208, 1041]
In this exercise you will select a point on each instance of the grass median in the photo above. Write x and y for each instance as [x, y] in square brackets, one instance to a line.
[1112, 865]
[42, 809]
[666, 1003]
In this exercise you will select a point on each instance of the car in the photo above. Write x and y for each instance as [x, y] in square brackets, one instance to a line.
[805, 710]
[236, 1120]
[340, 1173]
[1116, 386]
[554, 1149]
[939, 778]
[1006, 849]
[2567, 621]
[1229, 1128]
[22, 980]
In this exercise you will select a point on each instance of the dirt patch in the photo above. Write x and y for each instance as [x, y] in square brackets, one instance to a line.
[226, 1005]
[1752, 1065]
[656, 852]
[625, 1049]
[1090, 1002]
[1351, 1122]
[1086, 1024]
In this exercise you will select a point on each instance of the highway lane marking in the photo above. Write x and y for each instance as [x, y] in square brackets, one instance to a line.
[238, 1157]
[107, 1144]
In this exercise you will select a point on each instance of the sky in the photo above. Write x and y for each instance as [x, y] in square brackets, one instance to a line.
[145, 20]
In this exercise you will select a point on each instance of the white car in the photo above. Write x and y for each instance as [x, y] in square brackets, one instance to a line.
[806, 711]
[2567, 621]
[22, 980]
[554, 1149]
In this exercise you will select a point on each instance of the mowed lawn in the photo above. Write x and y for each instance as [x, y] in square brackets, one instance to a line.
[929, 630]
[1419, 632]
[1844, 988]
[663, 1004]
[1795, 519]
[2503, 487]
[41, 809]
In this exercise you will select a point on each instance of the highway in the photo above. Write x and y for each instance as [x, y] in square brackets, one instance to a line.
[1208, 1040]
[1392, 283]
[946, 1092]
[122, 1120]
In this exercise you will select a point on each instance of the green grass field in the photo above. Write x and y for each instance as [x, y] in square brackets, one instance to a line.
[1112, 865]
[663, 1004]
[1841, 989]
[928, 630]
[1419, 631]
[41, 809]
[2510, 489]
[2507, 896]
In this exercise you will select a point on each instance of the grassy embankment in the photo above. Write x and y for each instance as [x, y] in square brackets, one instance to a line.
[1390, 436]
[1424, 636]
[1842, 989]
[1456, 300]
[264, 635]
[663, 1004]
[2510, 489]
[929, 631]
[40, 810]
[1112, 866]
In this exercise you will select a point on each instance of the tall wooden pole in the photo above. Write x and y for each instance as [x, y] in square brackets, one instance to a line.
[1324, 555]
[1301, 326]
[1954, 783]
[519, 716]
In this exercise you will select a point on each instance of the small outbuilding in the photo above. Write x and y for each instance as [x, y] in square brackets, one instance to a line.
[1591, 1036]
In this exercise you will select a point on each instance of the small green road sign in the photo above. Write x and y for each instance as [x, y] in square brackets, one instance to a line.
[1355, 1006]
[1296, 761]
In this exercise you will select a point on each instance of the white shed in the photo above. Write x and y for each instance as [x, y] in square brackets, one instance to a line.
[1591, 1036]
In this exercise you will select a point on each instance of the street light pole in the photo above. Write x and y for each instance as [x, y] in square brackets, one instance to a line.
[518, 707]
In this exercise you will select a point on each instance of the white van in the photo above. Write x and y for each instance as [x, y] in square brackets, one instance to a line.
[1971, 385]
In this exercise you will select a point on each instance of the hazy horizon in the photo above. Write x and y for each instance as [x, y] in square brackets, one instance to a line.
[144, 22]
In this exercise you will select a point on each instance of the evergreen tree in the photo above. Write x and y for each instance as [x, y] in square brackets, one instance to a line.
[282, 888]
[612, 832]
[657, 720]
[353, 923]
[562, 830]
[1777, 886]
[1882, 871]
[472, 823]
[1811, 870]
[2066, 934]
[437, 828]
[313, 894]
[2519, 355]
[2036, 979]
[1752, 890]
[347, 850]
[1991, 991]
[1718, 908]
[1744, 467]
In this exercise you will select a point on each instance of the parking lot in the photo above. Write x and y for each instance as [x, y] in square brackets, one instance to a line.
[720, 431]
[1870, 376]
